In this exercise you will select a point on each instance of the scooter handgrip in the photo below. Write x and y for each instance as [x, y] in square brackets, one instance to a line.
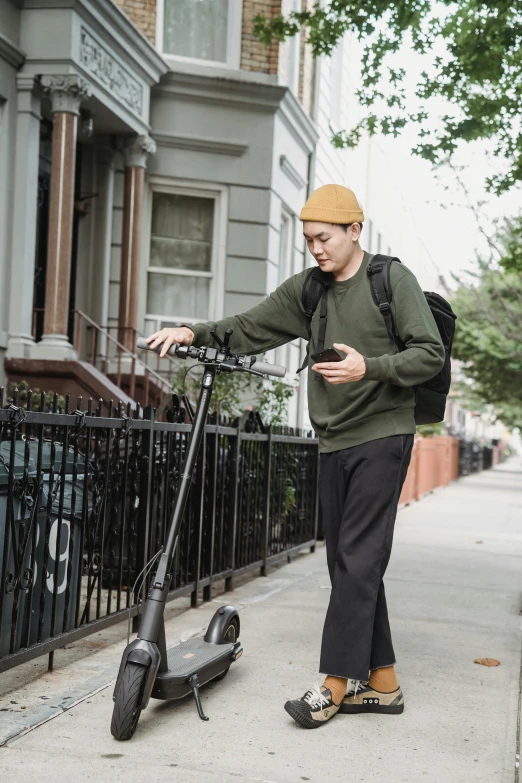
[142, 344]
[269, 369]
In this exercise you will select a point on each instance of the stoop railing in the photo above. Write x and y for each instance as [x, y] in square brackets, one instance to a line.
[114, 358]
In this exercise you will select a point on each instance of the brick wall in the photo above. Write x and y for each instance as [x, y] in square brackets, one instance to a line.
[255, 56]
[142, 13]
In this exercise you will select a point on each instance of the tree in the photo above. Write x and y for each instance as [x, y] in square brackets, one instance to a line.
[489, 328]
[473, 55]
[235, 392]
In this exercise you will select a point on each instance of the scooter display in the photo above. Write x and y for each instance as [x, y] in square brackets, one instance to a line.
[148, 669]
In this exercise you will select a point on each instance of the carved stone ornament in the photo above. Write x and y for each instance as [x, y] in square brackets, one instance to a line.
[136, 150]
[98, 60]
[67, 92]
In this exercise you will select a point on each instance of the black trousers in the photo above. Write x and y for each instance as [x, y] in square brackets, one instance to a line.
[359, 491]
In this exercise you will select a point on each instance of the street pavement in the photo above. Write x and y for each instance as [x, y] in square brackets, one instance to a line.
[454, 594]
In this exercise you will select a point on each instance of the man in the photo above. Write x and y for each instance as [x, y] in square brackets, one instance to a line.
[362, 409]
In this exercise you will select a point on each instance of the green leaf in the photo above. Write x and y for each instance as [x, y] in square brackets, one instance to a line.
[473, 60]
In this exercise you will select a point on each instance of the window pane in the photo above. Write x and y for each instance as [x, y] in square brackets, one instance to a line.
[182, 228]
[336, 85]
[181, 255]
[178, 295]
[284, 236]
[196, 28]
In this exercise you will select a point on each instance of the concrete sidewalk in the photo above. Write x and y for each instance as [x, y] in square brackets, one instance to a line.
[453, 588]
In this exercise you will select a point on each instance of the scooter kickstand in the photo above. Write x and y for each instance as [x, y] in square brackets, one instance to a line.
[194, 684]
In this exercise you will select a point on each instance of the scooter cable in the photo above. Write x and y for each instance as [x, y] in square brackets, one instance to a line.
[197, 365]
[145, 571]
[189, 369]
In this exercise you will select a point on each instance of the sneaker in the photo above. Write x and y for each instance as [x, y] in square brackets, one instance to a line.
[314, 708]
[366, 699]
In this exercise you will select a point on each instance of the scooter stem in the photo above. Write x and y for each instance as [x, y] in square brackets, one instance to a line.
[196, 436]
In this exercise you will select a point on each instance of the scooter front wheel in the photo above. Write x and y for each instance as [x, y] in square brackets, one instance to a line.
[127, 705]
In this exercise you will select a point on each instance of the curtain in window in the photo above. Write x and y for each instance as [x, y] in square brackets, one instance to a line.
[174, 296]
[181, 242]
[196, 28]
[181, 231]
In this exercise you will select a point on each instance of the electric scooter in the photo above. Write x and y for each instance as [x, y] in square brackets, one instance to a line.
[148, 669]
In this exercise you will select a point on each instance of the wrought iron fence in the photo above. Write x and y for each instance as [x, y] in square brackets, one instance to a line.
[86, 499]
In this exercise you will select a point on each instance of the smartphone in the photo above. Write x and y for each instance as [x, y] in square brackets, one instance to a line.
[328, 355]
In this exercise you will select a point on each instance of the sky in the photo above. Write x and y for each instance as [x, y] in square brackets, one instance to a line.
[452, 234]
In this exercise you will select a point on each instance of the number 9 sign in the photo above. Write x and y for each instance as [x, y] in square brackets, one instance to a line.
[63, 557]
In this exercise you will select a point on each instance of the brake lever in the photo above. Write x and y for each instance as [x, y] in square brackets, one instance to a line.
[218, 339]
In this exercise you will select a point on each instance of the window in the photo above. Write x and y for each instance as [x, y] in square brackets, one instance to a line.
[285, 247]
[204, 30]
[181, 267]
[287, 355]
[294, 55]
[336, 86]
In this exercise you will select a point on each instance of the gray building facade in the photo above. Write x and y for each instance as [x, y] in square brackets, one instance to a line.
[146, 179]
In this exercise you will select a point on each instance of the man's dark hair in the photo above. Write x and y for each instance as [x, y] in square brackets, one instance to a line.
[346, 226]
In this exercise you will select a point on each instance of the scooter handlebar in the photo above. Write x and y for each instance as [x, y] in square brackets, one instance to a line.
[269, 369]
[265, 368]
[142, 345]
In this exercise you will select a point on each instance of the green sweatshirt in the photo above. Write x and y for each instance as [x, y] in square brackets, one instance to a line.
[382, 403]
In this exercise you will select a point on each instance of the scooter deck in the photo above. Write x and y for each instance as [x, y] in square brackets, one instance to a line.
[194, 656]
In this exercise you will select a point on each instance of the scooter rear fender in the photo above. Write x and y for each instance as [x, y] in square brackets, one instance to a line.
[146, 654]
[219, 624]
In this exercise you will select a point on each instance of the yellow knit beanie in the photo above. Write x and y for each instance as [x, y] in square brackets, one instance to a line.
[332, 204]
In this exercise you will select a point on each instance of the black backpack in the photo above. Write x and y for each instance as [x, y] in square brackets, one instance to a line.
[430, 396]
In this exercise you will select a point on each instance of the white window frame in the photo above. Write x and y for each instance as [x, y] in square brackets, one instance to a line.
[218, 259]
[286, 263]
[294, 56]
[235, 25]
[336, 86]
[286, 232]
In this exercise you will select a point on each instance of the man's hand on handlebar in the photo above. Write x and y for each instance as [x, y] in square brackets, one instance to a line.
[182, 335]
[220, 356]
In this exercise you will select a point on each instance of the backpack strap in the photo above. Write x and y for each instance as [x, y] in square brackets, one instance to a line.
[322, 326]
[312, 290]
[379, 273]
[322, 320]
[315, 290]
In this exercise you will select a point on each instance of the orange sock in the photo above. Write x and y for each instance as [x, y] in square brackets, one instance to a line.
[337, 687]
[384, 680]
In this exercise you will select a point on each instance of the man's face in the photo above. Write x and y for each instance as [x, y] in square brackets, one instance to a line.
[331, 246]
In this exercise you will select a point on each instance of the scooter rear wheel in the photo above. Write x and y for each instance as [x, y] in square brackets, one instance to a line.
[230, 636]
[127, 709]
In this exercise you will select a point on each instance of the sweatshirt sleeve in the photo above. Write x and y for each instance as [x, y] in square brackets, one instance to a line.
[277, 320]
[424, 354]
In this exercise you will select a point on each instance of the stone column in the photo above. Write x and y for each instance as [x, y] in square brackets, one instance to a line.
[25, 195]
[135, 152]
[66, 93]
